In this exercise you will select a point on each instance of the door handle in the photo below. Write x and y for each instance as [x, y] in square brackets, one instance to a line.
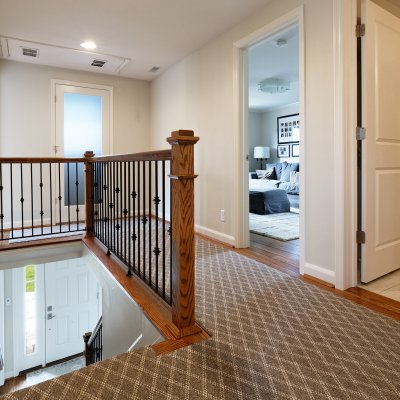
[50, 316]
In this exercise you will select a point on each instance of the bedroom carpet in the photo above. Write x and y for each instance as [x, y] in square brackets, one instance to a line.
[273, 337]
[282, 226]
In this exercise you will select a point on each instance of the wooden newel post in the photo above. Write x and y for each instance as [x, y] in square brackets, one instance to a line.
[88, 193]
[182, 231]
[86, 352]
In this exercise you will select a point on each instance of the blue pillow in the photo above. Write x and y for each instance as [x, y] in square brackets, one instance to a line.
[278, 169]
[285, 174]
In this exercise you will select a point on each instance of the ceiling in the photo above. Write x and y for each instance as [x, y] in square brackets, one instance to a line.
[267, 60]
[139, 34]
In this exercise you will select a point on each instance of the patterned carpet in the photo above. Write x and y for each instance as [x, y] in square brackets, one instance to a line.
[274, 337]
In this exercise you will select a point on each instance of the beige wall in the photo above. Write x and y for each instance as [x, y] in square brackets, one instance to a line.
[25, 96]
[197, 93]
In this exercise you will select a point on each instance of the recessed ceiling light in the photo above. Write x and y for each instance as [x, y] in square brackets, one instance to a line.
[89, 45]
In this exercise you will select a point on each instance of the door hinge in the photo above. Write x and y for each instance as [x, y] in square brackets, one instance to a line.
[361, 133]
[360, 30]
[360, 237]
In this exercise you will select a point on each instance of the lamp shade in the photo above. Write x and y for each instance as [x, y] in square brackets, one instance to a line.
[261, 152]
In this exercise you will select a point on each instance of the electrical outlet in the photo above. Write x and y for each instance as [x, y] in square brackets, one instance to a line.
[222, 215]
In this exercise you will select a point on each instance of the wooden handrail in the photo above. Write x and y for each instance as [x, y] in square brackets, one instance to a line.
[158, 155]
[39, 160]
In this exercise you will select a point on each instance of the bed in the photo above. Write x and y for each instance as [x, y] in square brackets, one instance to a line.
[266, 198]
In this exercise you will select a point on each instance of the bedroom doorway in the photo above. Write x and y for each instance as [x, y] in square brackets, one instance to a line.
[273, 145]
[270, 65]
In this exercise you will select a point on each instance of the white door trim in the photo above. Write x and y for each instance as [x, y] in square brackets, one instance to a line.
[54, 83]
[242, 238]
[345, 144]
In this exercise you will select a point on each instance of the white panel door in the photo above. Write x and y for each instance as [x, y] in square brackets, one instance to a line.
[381, 149]
[71, 307]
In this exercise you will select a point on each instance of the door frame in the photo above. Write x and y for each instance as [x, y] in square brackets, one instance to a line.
[345, 14]
[54, 83]
[296, 16]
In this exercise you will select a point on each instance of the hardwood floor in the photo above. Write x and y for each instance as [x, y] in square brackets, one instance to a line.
[284, 256]
[280, 255]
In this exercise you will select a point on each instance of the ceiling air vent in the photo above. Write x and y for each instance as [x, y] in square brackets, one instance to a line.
[154, 69]
[98, 63]
[26, 51]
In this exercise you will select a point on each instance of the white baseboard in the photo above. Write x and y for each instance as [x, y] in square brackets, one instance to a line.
[222, 237]
[324, 274]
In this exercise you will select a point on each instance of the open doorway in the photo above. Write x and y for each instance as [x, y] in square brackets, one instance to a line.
[274, 123]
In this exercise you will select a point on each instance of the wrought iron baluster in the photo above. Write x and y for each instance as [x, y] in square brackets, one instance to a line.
[130, 219]
[59, 196]
[32, 224]
[134, 238]
[163, 228]
[144, 220]
[22, 200]
[12, 201]
[117, 198]
[139, 213]
[77, 195]
[156, 203]
[170, 240]
[149, 226]
[125, 212]
[68, 198]
[41, 198]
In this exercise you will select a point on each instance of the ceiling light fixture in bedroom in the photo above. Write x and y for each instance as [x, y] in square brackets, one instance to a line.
[274, 85]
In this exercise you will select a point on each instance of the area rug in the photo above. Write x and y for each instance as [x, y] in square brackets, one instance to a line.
[273, 337]
[282, 226]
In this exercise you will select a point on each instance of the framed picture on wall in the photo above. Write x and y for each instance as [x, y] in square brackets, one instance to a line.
[288, 128]
[296, 150]
[283, 150]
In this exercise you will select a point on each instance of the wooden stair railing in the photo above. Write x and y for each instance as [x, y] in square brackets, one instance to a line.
[181, 157]
[94, 344]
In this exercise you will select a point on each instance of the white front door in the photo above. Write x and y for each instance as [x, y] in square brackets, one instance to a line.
[71, 307]
[82, 122]
[381, 148]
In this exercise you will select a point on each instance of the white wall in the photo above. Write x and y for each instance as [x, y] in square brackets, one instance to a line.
[198, 92]
[25, 98]
[269, 134]
[123, 320]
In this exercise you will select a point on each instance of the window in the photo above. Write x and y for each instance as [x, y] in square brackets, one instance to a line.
[30, 299]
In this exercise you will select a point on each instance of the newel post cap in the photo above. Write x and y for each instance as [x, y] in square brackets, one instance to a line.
[182, 136]
[88, 154]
